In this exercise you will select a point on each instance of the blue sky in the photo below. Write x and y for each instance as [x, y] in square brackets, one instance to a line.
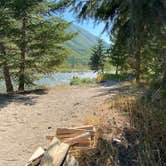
[87, 25]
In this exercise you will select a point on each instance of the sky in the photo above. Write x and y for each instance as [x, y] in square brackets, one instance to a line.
[87, 25]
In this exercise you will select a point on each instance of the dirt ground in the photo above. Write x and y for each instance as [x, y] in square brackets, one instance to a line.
[26, 119]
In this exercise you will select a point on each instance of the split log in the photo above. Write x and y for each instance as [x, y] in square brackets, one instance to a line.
[56, 153]
[64, 137]
[71, 132]
[36, 157]
[78, 139]
[86, 127]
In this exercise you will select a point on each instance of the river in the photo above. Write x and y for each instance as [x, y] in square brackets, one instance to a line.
[57, 78]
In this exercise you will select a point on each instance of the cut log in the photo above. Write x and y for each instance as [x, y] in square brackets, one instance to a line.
[82, 149]
[72, 132]
[36, 157]
[86, 127]
[78, 139]
[63, 137]
[82, 142]
[55, 154]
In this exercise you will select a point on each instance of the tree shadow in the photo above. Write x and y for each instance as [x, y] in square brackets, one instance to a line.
[26, 98]
[109, 83]
[114, 90]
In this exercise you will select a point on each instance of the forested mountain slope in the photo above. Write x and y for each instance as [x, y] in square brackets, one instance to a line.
[80, 46]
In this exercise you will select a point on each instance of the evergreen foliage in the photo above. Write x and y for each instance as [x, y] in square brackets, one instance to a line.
[98, 57]
[118, 56]
[138, 27]
[32, 40]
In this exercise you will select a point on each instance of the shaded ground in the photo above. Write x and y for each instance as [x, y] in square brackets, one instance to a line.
[25, 119]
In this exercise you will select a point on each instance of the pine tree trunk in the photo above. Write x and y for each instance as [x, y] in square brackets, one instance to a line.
[102, 69]
[8, 82]
[116, 72]
[134, 45]
[6, 73]
[137, 28]
[138, 66]
[21, 86]
[164, 79]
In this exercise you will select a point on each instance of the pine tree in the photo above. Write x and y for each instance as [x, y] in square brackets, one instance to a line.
[118, 52]
[118, 58]
[40, 37]
[97, 59]
[5, 33]
[31, 40]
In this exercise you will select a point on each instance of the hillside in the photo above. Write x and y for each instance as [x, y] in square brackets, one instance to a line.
[81, 46]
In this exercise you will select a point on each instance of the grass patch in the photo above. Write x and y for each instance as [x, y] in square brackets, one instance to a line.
[81, 81]
[103, 77]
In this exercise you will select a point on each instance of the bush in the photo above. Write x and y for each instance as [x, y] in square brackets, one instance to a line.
[79, 81]
[104, 77]
[163, 92]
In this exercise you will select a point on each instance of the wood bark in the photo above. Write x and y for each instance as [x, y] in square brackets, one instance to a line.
[116, 72]
[8, 82]
[6, 72]
[135, 46]
[138, 66]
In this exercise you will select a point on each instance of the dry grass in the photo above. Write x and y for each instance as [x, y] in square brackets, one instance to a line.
[138, 123]
[110, 123]
[149, 120]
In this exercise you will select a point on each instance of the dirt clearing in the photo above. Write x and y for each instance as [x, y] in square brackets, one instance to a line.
[25, 120]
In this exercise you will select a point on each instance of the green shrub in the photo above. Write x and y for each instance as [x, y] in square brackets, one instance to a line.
[81, 81]
[103, 77]
[163, 92]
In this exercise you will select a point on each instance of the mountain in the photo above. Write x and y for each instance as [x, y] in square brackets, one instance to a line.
[80, 46]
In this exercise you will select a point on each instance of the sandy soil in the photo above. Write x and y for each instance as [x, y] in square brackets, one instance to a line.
[25, 120]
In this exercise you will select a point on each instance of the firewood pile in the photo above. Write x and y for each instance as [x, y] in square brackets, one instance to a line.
[65, 147]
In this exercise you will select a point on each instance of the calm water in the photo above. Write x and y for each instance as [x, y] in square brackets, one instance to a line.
[58, 78]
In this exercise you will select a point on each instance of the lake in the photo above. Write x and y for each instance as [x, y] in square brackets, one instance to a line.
[58, 78]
